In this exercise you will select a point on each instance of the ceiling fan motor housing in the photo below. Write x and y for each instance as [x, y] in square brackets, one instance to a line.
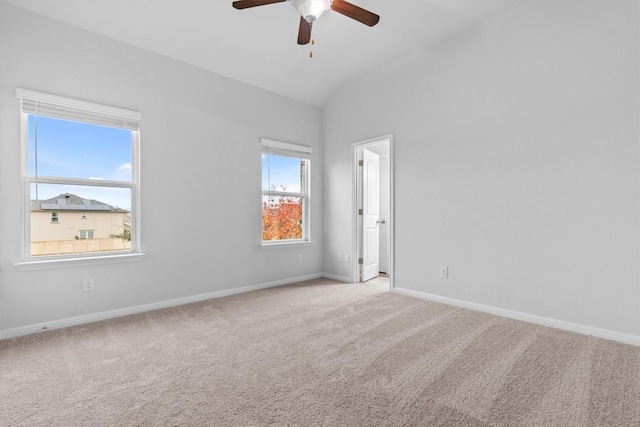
[311, 9]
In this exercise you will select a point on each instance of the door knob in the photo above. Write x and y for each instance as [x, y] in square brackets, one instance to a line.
[381, 221]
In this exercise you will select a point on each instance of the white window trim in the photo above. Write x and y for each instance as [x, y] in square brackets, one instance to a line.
[283, 244]
[129, 119]
[50, 264]
[280, 148]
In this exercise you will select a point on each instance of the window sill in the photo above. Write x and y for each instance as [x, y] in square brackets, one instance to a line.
[76, 262]
[284, 245]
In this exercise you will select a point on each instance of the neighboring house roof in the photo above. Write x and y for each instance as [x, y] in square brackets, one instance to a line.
[71, 202]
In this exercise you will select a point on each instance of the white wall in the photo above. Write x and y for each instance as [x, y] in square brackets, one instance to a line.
[200, 173]
[516, 162]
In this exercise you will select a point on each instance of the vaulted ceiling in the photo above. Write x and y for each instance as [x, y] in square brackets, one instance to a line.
[258, 45]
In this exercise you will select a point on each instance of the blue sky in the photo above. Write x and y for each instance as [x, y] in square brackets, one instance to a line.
[278, 171]
[79, 150]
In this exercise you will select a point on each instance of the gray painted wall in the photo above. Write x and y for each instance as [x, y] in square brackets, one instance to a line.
[200, 172]
[516, 162]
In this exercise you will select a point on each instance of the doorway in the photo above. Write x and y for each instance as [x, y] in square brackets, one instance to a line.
[372, 239]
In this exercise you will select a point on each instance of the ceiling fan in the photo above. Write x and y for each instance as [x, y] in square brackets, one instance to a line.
[310, 11]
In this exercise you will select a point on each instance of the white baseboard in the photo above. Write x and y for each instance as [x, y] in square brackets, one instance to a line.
[338, 278]
[110, 314]
[530, 318]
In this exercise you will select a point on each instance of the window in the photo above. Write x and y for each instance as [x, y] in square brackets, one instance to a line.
[285, 192]
[78, 157]
[87, 234]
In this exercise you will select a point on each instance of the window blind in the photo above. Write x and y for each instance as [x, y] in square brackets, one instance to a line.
[285, 149]
[58, 107]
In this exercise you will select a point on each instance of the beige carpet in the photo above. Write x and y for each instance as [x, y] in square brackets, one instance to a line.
[317, 353]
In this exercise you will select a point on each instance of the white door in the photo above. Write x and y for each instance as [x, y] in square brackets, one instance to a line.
[370, 214]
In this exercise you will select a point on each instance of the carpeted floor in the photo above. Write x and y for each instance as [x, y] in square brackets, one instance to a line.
[317, 353]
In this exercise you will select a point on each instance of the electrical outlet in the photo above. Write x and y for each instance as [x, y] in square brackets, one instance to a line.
[444, 272]
[346, 257]
[299, 257]
[339, 256]
[87, 284]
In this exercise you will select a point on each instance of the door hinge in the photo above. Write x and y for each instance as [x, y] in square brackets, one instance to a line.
[360, 261]
[359, 211]
[360, 162]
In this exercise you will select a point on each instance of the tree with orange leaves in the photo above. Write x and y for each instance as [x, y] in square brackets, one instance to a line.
[282, 218]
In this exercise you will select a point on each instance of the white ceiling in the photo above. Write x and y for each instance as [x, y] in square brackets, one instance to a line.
[258, 45]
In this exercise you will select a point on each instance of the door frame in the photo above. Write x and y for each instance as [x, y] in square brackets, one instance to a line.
[355, 232]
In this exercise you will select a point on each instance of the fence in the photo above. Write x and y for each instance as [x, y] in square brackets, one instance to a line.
[63, 247]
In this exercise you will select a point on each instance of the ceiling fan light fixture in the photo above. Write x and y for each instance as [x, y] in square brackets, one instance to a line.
[311, 9]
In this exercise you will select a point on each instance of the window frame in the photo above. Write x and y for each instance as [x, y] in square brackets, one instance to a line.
[302, 152]
[54, 218]
[93, 114]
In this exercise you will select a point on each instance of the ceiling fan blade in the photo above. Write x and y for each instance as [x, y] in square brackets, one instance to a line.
[355, 12]
[304, 33]
[243, 4]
